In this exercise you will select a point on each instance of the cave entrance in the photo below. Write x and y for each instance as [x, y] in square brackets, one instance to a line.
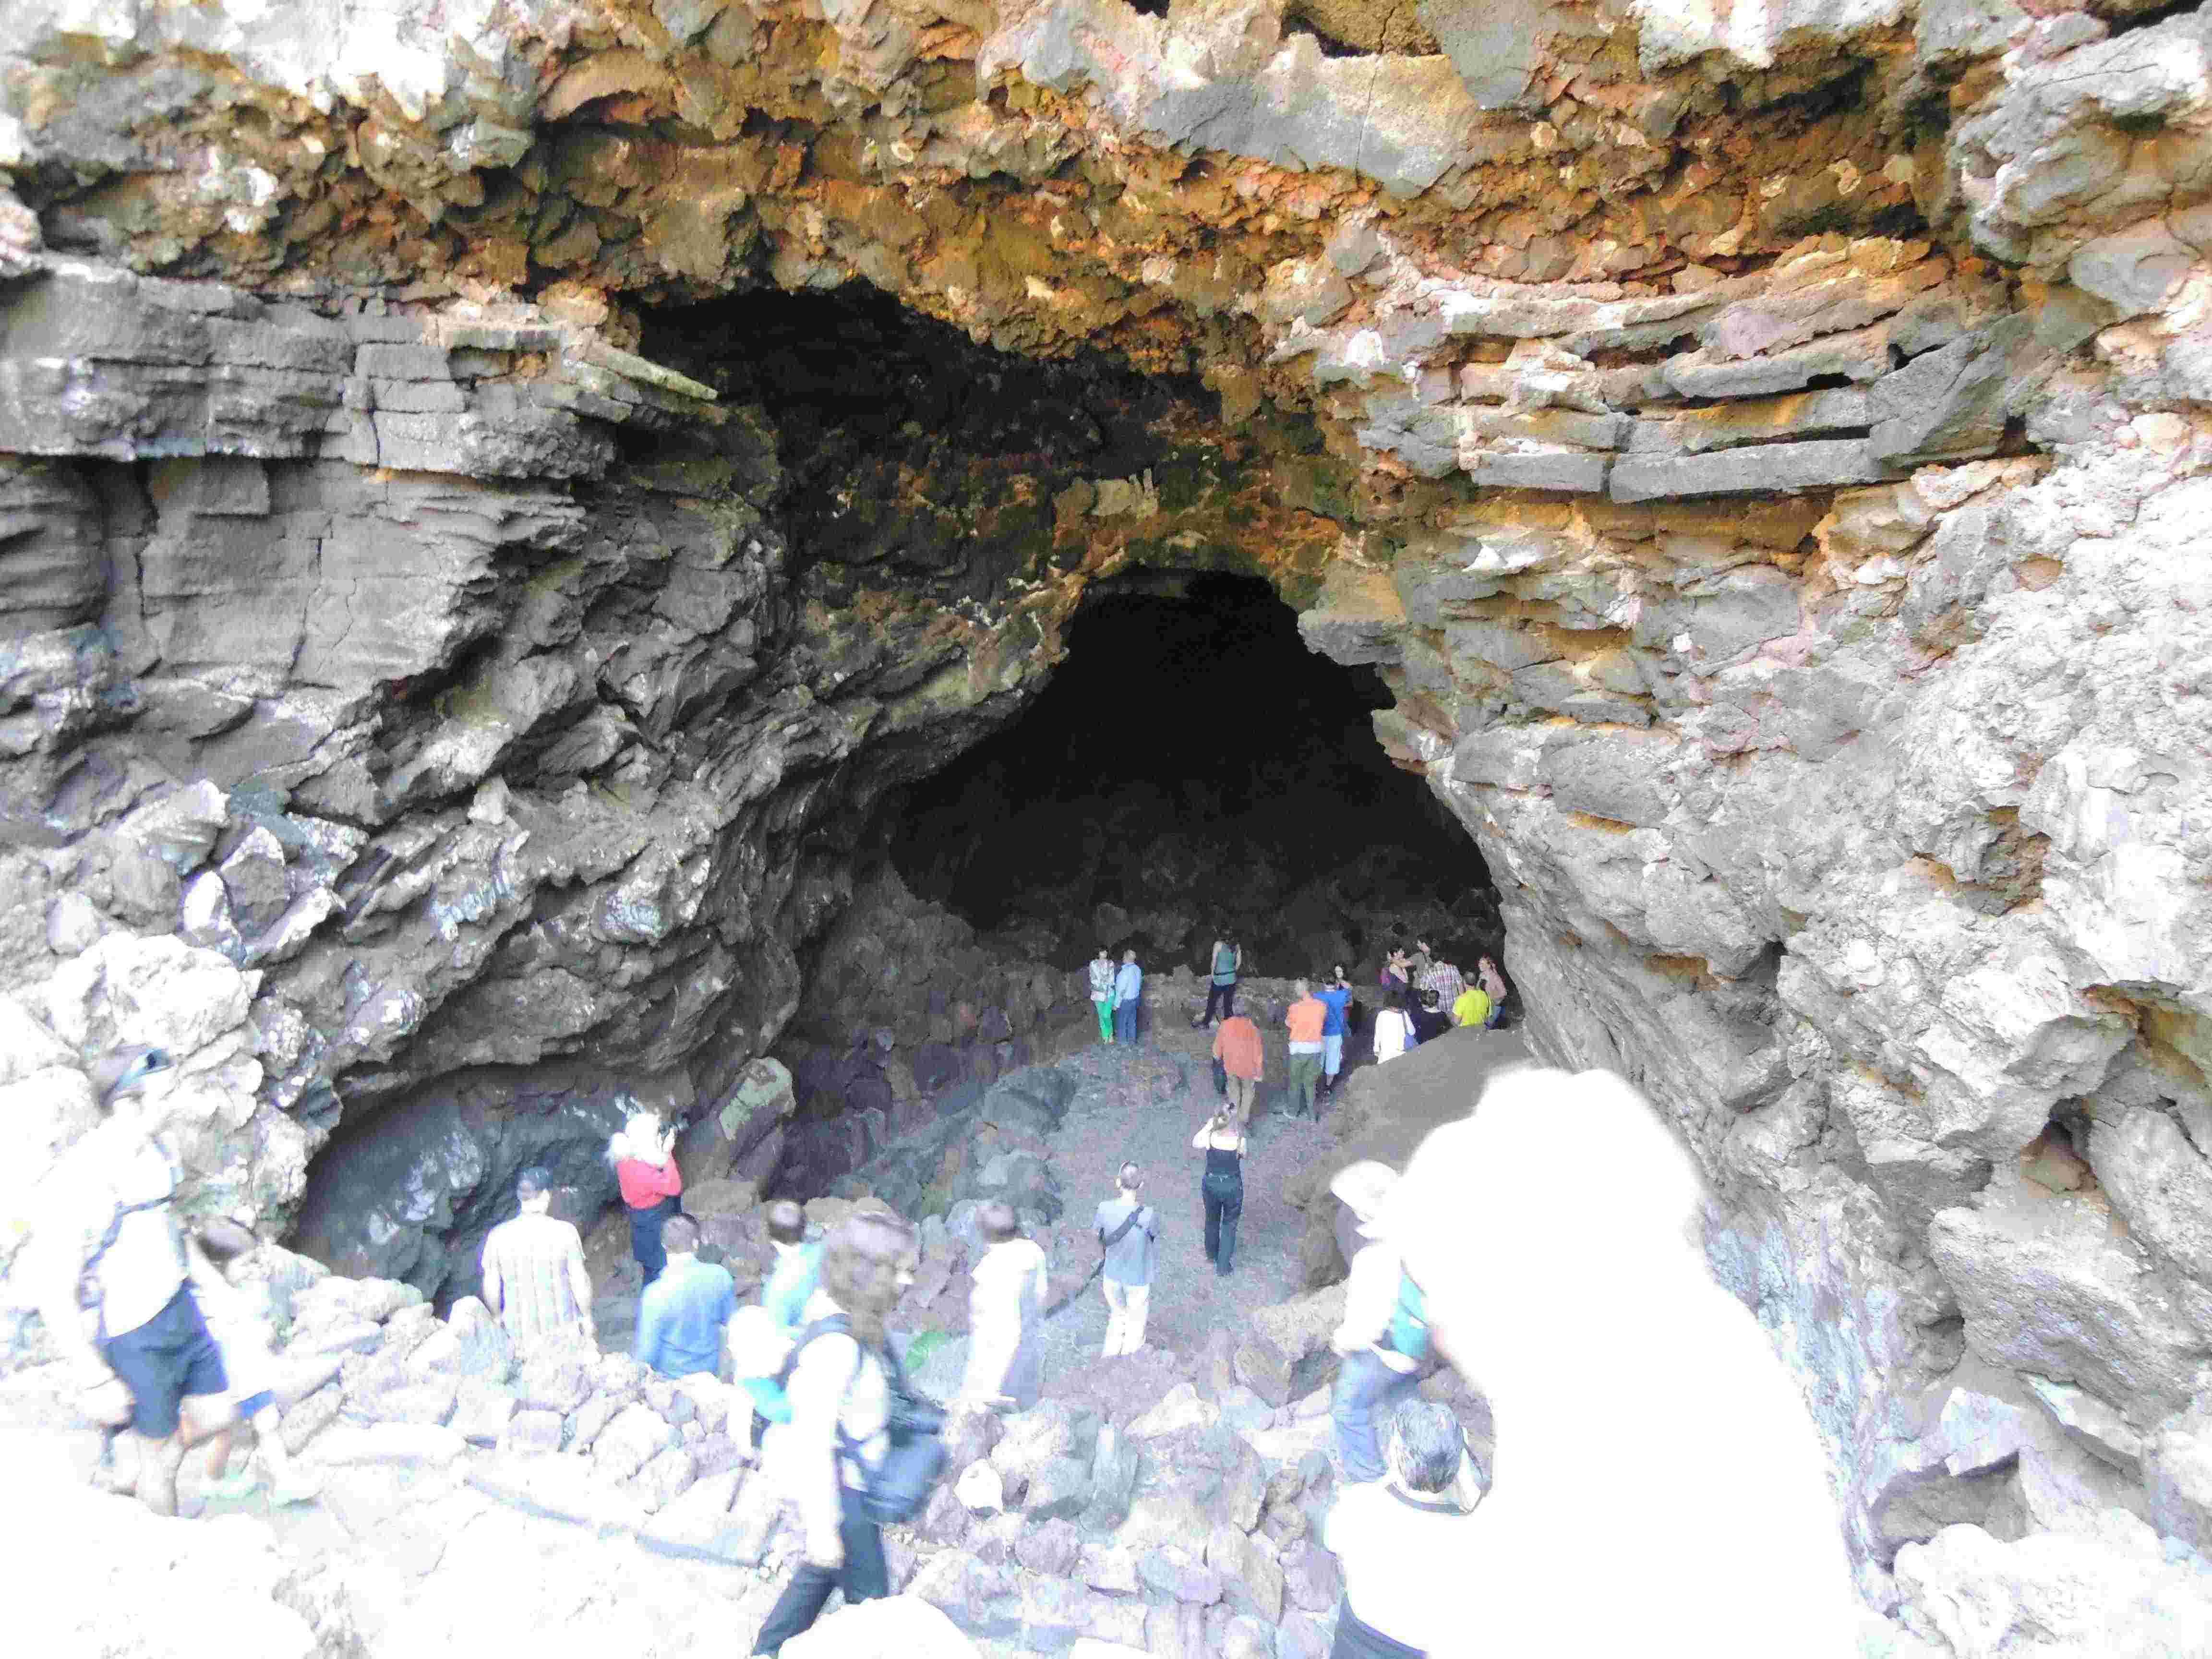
[1193, 770]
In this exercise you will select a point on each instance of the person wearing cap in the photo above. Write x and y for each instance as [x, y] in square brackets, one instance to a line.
[534, 1277]
[115, 1275]
[1404, 1544]
[1375, 1375]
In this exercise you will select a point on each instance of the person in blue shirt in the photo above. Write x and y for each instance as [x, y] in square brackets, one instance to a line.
[1334, 994]
[681, 1316]
[1128, 985]
[791, 1284]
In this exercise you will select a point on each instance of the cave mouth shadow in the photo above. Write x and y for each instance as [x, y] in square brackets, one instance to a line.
[1193, 770]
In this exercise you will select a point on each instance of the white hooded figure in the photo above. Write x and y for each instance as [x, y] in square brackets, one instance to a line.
[1658, 1485]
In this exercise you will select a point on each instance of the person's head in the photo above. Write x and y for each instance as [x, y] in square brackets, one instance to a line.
[867, 1262]
[135, 1084]
[533, 1188]
[224, 1242]
[1105, 953]
[1303, 987]
[679, 1235]
[1129, 1178]
[1128, 956]
[1426, 1447]
[786, 1222]
[1362, 1187]
[1429, 1000]
[996, 1222]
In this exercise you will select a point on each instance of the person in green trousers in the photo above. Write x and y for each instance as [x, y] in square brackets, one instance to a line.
[1101, 992]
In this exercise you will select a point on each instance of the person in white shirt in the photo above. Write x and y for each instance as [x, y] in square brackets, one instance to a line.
[1375, 1372]
[1006, 1306]
[1704, 1435]
[841, 1402]
[1128, 987]
[113, 1270]
[1404, 1544]
[1394, 1029]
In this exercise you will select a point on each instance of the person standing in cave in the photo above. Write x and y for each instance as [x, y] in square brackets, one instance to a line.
[643, 1156]
[1437, 974]
[1128, 988]
[1237, 1046]
[115, 1273]
[773, 1325]
[1404, 1541]
[840, 1384]
[1101, 992]
[1227, 958]
[1471, 1007]
[1221, 1188]
[683, 1314]
[1335, 996]
[1429, 1019]
[1394, 1029]
[1305, 1020]
[534, 1277]
[1006, 1310]
[1128, 1233]
[238, 1318]
[1493, 986]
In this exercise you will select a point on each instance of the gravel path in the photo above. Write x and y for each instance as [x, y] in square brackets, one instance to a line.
[1145, 1102]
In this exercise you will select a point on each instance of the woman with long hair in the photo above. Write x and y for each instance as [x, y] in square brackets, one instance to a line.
[1221, 1188]
[841, 1390]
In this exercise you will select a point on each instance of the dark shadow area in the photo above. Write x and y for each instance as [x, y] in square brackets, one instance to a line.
[1193, 769]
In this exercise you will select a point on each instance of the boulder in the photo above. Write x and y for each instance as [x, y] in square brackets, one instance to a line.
[905, 1626]
[1060, 1490]
[1251, 1577]
[981, 1489]
[637, 1434]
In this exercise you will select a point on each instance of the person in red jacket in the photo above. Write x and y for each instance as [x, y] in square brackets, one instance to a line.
[645, 1170]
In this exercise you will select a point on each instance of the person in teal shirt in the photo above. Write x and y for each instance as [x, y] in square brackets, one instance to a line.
[791, 1284]
[683, 1314]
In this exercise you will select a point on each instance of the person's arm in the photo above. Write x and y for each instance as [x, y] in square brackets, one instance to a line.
[1369, 1297]
[1198, 1141]
[492, 1291]
[818, 1382]
[1217, 1038]
[62, 1248]
[651, 1332]
[580, 1284]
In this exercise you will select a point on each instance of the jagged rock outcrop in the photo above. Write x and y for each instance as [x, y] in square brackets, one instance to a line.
[1762, 448]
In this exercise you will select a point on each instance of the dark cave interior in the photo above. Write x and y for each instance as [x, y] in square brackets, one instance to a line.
[1192, 768]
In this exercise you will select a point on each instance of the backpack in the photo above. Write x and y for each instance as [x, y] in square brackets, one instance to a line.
[1409, 1319]
[897, 1491]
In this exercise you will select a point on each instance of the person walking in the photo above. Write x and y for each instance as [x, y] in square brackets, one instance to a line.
[1403, 1542]
[1221, 1188]
[1394, 1029]
[1128, 1231]
[1129, 990]
[1227, 959]
[1493, 986]
[238, 1317]
[1382, 1338]
[1335, 995]
[642, 1153]
[1236, 1045]
[683, 1314]
[761, 1337]
[113, 1273]
[1006, 1310]
[1305, 1020]
[534, 1277]
[1102, 993]
[841, 1383]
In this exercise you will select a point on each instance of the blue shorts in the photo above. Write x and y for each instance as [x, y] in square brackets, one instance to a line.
[169, 1356]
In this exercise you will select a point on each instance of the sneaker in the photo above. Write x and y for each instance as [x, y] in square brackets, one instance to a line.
[232, 1487]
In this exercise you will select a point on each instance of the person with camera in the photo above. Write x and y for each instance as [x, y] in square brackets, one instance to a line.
[1221, 1188]
[643, 1154]
[115, 1271]
[1128, 1233]
[844, 1386]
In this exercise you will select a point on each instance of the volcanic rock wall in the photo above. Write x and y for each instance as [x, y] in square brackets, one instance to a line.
[1762, 445]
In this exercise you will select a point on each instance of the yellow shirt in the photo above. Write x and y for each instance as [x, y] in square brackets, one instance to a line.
[1472, 1007]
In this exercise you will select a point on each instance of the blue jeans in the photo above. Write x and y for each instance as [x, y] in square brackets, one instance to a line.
[1124, 1021]
[645, 1245]
[1366, 1388]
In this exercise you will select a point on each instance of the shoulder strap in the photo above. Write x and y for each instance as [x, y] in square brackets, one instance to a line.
[1122, 1231]
[91, 1293]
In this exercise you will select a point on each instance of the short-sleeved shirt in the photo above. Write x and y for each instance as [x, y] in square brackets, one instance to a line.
[1225, 966]
[531, 1255]
[1445, 980]
[681, 1315]
[797, 1275]
[1237, 1046]
[1307, 1020]
[1472, 1007]
[1336, 999]
[1129, 1259]
[1128, 982]
[112, 1178]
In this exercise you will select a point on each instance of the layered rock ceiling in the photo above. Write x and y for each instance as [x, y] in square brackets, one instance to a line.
[458, 627]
